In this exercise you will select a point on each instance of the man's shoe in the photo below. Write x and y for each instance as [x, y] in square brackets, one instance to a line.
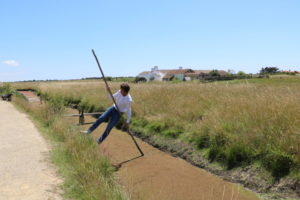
[98, 141]
[85, 132]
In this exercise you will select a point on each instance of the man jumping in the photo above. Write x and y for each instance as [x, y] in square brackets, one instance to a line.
[123, 101]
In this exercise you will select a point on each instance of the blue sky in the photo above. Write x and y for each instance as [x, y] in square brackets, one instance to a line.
[52, 39]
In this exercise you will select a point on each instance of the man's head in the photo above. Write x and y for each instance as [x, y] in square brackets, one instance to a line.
[124, 89]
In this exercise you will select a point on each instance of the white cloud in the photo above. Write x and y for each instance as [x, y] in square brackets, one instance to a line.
[11, 62]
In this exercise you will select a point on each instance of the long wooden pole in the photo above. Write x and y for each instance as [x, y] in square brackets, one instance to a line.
[112, 97]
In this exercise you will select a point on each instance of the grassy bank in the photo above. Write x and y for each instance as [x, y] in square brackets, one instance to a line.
[87, 175]
[235, 122]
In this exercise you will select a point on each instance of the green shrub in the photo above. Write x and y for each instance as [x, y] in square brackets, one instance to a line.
[172, 133]
[91, 108]
[217, 150]
[213, 153]
[57, 104]
[237, 155]
[156, 127]
[202, 141]
[216, 153]
[83, 105]
[45, 96]
[109, 78]
[214, 72]
[278, 163]
[72, 100]
[139, 122]
[220, 139]
[7, 89]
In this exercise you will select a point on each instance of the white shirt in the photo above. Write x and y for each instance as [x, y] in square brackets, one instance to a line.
[124, 104]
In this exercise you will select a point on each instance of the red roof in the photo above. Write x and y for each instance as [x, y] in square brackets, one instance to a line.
[144, 73]
[176, 71]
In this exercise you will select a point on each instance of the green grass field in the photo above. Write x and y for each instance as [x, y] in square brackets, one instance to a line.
[237, 122]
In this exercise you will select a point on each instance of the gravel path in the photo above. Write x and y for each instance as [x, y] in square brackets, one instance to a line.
[25, 172]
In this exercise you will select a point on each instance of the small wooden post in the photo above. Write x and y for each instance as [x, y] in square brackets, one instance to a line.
[81, 117]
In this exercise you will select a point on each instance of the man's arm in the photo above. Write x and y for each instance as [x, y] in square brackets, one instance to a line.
[128, 114]
[128, 117]
[115, 94]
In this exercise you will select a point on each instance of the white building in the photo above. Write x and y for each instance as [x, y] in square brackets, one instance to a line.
[158, 75]
[153, 75]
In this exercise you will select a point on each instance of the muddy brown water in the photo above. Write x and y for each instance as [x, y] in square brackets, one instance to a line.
[158, 175]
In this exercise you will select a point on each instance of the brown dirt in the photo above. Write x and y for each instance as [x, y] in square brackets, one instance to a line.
[158, 175]
[24, 171]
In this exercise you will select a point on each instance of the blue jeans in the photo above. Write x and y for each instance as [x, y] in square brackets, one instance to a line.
[114, 116]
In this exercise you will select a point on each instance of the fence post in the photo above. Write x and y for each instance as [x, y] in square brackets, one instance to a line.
[81, 117]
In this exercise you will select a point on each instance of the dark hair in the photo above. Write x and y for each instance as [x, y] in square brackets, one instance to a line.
[125, 87]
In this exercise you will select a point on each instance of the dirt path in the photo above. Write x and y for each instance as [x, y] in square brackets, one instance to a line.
[158, 175]
[24, 171]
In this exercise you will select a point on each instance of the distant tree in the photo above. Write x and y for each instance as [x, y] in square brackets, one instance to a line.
[241, 73]
[152, 78]
[176, 79]
[269, 70]
[109, 78]
[214, 72]
[140, 79]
